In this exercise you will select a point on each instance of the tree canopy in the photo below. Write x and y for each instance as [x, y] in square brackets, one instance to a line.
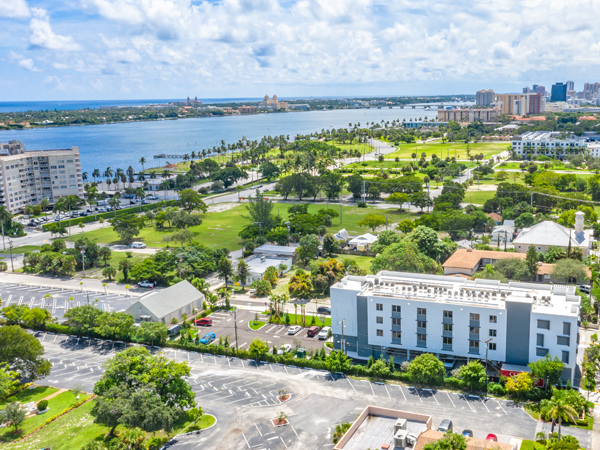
[22, 353]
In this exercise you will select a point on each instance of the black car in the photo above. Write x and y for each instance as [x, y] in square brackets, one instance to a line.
[324, 310]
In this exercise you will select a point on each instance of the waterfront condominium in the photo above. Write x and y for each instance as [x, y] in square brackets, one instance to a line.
[405, 314]
[28, 176]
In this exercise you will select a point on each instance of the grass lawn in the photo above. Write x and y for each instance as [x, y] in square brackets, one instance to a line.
[22, 249]
[207, 420]
[114, 261]
[296, 319]
[456, 149]
[478, 197]
[32, 395]
[531, 445]
[256, 324]
[222, 227]
[57, 406]
[386, 164]
[364, 262]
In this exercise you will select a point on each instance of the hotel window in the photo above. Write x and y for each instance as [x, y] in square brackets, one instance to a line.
[543, 324]
[448, 327]
[492, 346]
[422, 311]
[493, 319]
[565, 357]
[447, 341]
[379, 333]
[567, 328]
[540, 340]
[396, 308]
[493, 333]
[379, 306]
[474, 316]
[563, 340]
[421, 340]
[396, 321]
[421, 324]
[447, 314]
[379, 319]
[396, 334]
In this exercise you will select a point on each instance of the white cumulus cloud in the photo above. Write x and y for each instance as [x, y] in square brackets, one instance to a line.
[43, 36]
[14, 9]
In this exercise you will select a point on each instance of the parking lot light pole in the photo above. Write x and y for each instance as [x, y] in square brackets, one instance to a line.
[487, 342]
[234, 323]
[83, 260]
[10, 246]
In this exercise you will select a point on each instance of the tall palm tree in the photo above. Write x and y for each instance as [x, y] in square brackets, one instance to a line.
[70, 202]
[4, 216]
[130, 173]
[44, 204]
[114, 202]
[141, 194]
[142, 162]
[108, 173]
[84, 176]
[96, 174]
[559, 408]
[59, 206]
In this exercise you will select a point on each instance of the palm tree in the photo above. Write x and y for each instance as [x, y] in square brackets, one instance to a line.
[142, 162]
[108, 173]
[70, 202]
[4, 216]
[96, 174]
[44, 204]
[114, 202]
[130, 173]
[559, 408]
[84, 176]
[59, 206]
[141, 194]
[186, 157]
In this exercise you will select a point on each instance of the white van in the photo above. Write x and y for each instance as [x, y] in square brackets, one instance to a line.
[138, 245]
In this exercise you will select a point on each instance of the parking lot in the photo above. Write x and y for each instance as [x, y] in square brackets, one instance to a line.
[274, 335]
[243, 397]
[61, 300]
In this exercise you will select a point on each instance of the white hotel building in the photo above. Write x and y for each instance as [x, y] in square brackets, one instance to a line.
[404, 314]
[548, 143]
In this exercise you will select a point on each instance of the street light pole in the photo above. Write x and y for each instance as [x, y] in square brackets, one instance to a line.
[234, 323]
[10, 245]
[343, 342]
[83, 260]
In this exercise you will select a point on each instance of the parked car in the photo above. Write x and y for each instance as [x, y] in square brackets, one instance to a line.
[133, 201]
[324, 333]
[174, 330]
[583, 288]
[313, 331]
[294, 329]
[285, 348]
[144, 202]
[324, 310]
[467, 433]
[147, 284]
[137, 245]
[492, 437]
[102, 209]
[208, 338]
[204, 322]
[445, 426]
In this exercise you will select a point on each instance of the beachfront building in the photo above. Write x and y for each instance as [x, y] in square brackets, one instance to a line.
[28, 176]
[548, 234]
[406, 314]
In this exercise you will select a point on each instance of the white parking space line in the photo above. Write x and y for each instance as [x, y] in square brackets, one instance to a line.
[9, 299]
[294, 430]
[20, 300]
[483, 403]
[386, 390]
[348, 378]
[401, 390]
[450, 398]
[417, 391]
[432, 394]
[466, 400]
[500, 405]
[283, 442]
[258, 429]
[246, 440]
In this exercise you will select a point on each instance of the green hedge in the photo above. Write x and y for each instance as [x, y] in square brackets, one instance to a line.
[111, 214]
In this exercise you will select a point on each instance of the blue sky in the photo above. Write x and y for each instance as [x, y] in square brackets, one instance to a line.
[118, 49]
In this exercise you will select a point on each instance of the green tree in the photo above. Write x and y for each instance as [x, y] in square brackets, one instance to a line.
[329, 244]
[83, 318]
[450, 441]
[568, 270]
[426, 369]
[308, 248]
[22, 352]
[105, 253]
[398, 198]
[372, 221]
[127, 227]
[190, 200]
[109, 272]
[242, 272]
[547, 369]
[532, 261]
[8, 380]
[403, 256]
[474, 374]
[125, 266]
[559, 408]
[260, 212]
[115, 325]
[337, 361]
[224, 269]
[519, 385]
[13, 415]
[152, 332]
[258, 348]
[270, 275]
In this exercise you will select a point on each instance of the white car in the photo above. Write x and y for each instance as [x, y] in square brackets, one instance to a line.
[294, 329]
[147, 284]
[285, 348]
[137, 245]
[324, 333]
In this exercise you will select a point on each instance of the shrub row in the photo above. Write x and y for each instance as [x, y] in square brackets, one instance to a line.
[111, 214]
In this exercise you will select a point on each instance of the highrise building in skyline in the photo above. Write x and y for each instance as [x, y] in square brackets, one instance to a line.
[485, 98]
[559, 92]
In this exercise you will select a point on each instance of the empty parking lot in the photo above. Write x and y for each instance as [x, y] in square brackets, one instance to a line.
[243, 396]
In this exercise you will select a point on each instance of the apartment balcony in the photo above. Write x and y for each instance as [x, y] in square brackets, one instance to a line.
[397, 341]
[446, 333]
[421, 344]
[396, 328]
[421, 330]
[474, 350]
[422, 317]
[396, 315]
[447, 347]
[474, 323]
[474, 336]
[447, 320]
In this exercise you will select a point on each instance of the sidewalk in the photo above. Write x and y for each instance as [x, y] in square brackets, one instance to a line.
[89, 285]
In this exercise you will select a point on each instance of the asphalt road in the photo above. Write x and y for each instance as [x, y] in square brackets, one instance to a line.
[243, 398]
[58, 302]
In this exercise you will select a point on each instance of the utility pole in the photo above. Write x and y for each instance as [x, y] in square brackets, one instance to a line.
[531, 200]
[364, 191]
[234, 323]
[343, 342]
[10, 245]
[83, 260]
[341, 212]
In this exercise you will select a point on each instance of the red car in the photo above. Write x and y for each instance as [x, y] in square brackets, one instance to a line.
[491, 437]
[204, 322]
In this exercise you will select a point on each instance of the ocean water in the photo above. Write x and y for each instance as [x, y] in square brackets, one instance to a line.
[123, 144]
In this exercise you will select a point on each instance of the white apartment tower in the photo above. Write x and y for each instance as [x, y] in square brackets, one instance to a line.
[28, 176]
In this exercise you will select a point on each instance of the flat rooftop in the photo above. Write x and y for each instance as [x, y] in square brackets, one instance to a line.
[259, 264]
[545, 298]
